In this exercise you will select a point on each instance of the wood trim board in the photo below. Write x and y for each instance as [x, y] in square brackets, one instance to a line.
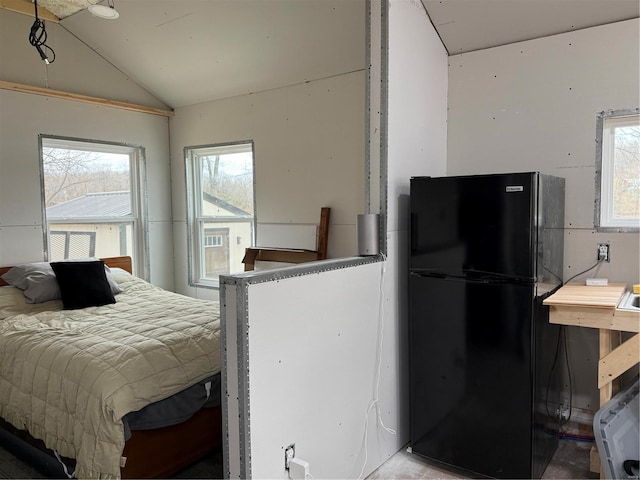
[27, 8]
[47, 92]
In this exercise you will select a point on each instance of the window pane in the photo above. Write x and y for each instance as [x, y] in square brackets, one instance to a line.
[626, 177]
[227, 184]
[65, 244]
[216, 251]
[81, 183]
[90, 240]
[223, 247]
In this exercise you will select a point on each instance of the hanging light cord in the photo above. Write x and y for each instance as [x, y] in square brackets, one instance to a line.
[38, 37]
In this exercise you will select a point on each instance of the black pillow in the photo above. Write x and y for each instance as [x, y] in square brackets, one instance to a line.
[82, 284]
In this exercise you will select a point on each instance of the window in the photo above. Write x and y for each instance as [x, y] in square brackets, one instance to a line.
[213, 240]
[220, 200]
[618, 171]
[92, 199]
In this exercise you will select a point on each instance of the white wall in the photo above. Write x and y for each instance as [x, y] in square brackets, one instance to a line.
[417, 105]
[24, 116]
[309, 145]
[314, 341]
[417, 145]
[532, 106]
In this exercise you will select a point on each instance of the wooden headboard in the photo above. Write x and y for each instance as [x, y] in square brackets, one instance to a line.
[112, 262]
[119, 262]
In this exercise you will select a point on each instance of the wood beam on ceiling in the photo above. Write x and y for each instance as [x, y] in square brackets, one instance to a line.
[18, 87]
[26, 7]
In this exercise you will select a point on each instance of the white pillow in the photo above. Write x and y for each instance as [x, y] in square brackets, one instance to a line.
[38, 281]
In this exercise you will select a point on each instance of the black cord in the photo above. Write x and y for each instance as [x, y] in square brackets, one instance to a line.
[562, 339]
[553, 367]
[566, 359]
[562, 336]
[38, 37]
[585, 271]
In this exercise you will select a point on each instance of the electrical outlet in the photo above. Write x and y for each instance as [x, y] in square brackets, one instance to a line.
[289, 453]
[565, 410]
[558, 416]
[562, 413]
[603, 252]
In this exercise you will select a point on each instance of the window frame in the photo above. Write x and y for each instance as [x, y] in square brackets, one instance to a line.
[196, 220]
[604, 174]
[137, 187]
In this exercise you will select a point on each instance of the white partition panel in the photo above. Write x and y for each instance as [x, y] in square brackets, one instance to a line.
[316, 368]
[229, 376]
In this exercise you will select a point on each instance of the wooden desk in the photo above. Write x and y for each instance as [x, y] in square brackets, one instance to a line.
[596, 307]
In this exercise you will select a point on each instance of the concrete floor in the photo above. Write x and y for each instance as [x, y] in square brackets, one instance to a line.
[571, 461]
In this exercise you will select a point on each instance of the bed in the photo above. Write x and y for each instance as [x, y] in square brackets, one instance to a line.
[94, 383]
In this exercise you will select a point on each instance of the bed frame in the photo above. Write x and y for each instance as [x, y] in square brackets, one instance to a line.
[157, 453]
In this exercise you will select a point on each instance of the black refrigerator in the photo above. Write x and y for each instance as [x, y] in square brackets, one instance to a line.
[484, 387]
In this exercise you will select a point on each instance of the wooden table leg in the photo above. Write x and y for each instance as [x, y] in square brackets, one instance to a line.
[606, 392]
[616, 341]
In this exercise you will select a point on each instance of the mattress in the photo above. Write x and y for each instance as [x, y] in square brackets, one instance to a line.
[175, 409]
[70, 377]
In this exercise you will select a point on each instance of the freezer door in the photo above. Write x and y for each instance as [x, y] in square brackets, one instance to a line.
[471, 370]
[480, 223]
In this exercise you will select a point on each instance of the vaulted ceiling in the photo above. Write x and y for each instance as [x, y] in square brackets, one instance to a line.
[467, 25]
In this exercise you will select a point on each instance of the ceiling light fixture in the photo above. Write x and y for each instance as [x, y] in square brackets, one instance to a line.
[107, 11]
